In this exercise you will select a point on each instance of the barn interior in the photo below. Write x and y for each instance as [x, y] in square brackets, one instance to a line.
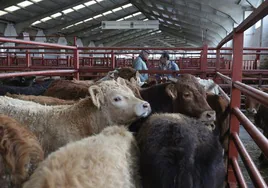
[88, 40]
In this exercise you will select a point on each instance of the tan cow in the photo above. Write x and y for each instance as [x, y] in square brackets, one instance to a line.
[20, 152]
[110, 102]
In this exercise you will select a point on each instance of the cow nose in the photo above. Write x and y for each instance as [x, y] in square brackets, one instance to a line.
[146, 105]
[208, 116]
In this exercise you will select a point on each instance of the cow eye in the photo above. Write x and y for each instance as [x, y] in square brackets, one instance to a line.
[116, 99]
[186, 95]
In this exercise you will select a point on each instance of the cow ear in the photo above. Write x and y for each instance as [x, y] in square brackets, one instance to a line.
[96, 95]
[121, 81]
[171, 91]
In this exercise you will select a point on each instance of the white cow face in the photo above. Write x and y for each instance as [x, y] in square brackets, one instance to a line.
[118, 102]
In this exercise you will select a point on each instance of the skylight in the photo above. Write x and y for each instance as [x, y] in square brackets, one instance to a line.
[127, 5]
[117, 9]
[90, 3]
[46, 19]
[108, 12]
[136, 14]
[78, 7]
[128, 17]
[36, 1]
[56, 15]
[88, 19]
[37, 22]
[145, 19]
[121, 19]
[2, 13]
[12, 8]
[97, 16]
[78, 23]
[25, 4]
[66, 11]
[99, 1]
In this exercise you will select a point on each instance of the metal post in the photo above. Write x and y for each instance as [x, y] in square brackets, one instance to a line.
[76, 64]
[204, 61]
[28, 59]
[113, 59]
[235, 100]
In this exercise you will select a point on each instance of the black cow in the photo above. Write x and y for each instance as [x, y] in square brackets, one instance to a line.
[179, 152]
[20, 81]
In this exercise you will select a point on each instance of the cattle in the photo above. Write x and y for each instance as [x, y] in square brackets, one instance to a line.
[41, 99]
[106, 160]
[19, 81]
[186, 96]
[251, 105]
[20, 152]
[87, 83]
[261, 121]
[110, 102]
[35, 89]
[179, 151]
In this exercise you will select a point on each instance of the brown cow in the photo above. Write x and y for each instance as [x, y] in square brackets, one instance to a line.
[41, 99]
[251, 105]
[20, 152]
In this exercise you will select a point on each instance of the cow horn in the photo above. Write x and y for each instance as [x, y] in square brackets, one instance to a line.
[173, 79]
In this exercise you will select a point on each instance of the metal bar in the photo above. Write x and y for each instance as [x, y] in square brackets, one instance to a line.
[2, 39]
[251, 168]
[225, 78]
[238, 173]
[255, 134]
[224, 94]
[225, 40]
[260, 96]
[45, 72]
[136, 48]
[255, 16]
[235, 98]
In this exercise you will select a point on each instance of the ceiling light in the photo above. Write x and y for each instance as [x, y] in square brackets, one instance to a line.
[66, 11]
[78, 23]
[56, 15]
[46, 19]
[128, 17]
[12, 8]
[108, 12]
[99, 1]
[145, 19]
[88, 19]
[2, 13]
[120, 19]
[127, 5]
[136, 14]
[97, 16]
[36, 1]
[90, 3]
[117, 9]
[78, 7]
[25, 4]
[35, 23]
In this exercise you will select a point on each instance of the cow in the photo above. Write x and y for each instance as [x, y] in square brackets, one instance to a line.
[106, 160]
[251, 105]
[179, 151]
[35, 89]
[186, 96]
[20, 152]
[261, 121]
[42, 99]
[19, 81]
[110, 102]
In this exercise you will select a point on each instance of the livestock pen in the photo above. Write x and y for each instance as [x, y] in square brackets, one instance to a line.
[205, 62]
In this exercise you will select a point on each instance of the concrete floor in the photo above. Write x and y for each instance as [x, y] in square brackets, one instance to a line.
[254, 152]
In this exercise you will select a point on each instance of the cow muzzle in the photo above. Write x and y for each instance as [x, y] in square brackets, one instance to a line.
[143, 109]
[208, 116]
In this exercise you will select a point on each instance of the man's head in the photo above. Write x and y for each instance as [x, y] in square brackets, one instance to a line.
[164, 58]
[145, 54]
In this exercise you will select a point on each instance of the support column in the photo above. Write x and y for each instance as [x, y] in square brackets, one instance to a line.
[235, 99]
[204, 61]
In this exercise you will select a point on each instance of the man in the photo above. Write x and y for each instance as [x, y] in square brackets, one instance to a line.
[166, 64]
[139, 64]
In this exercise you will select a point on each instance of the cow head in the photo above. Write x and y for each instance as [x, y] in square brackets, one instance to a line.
[118, 102]
[251, 105]
[189, 98]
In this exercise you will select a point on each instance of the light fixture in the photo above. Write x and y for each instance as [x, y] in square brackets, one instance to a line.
[37, 22]
[78, 7]
[56, 15]
[25, 4]
[117, 9]
[89, 3]
[36, 1]
[46, 19]
[2, 13]
[66, 11]
[127, 5]
[137, 13]
[108, 12]
[88, 19]
[12, 8]
[97, 16]
[78, 23]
